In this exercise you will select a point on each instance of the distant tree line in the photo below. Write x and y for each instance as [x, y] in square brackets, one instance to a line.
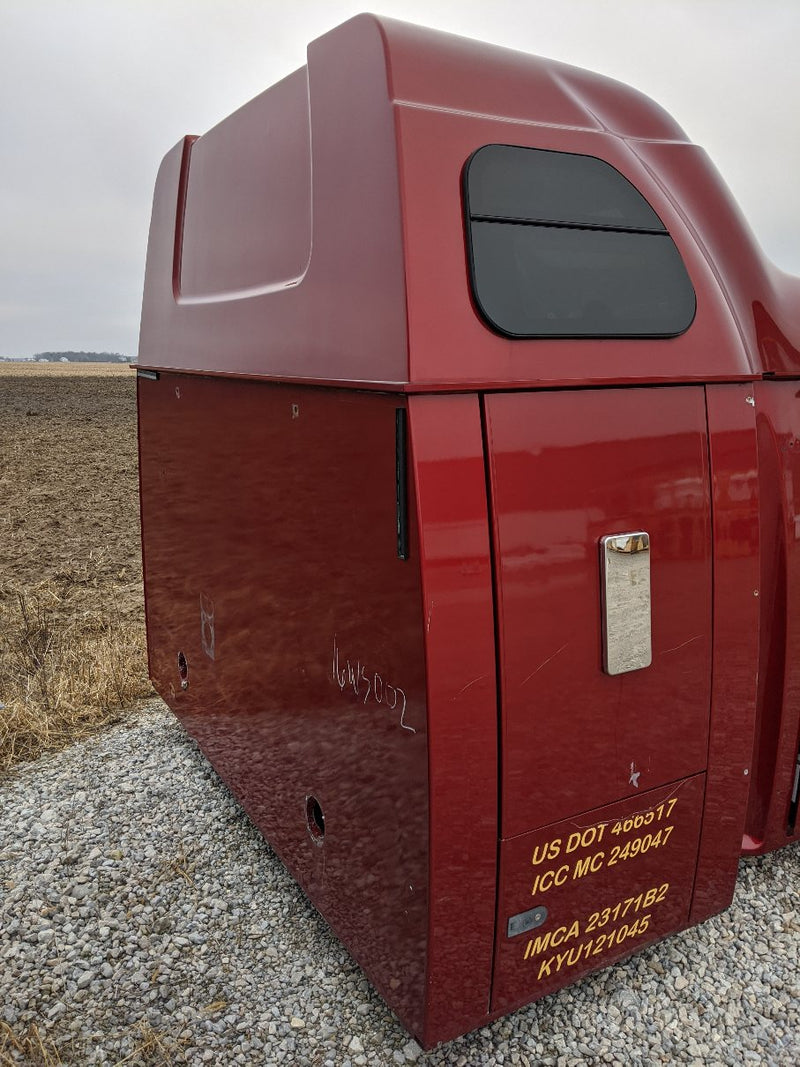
[82, 357]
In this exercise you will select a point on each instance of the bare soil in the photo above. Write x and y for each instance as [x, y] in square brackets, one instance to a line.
[72, 650]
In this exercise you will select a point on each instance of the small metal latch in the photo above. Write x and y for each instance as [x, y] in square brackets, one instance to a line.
[526, 920]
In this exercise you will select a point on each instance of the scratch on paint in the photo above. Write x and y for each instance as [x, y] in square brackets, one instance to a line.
[469, 685]
[683, 644]
[541, 665]
[430, 612]
[640, 811]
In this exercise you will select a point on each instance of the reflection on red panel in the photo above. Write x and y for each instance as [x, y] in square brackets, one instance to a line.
[772, 818]
[568, 468]
[421, 738]
[270, 534]
[731, 429]
[447, 448]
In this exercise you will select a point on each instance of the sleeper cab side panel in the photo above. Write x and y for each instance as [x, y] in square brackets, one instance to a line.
[270, 541]
[447, 447]
[567, 468]
[603, 781]
[778, 725]
[735, 487]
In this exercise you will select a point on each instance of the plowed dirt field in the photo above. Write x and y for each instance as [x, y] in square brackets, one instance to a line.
[71, 605]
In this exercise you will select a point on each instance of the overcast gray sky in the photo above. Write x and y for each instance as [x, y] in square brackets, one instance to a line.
[94, 93]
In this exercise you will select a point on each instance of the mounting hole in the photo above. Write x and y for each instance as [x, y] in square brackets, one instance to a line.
[183, 670]
[315, 819]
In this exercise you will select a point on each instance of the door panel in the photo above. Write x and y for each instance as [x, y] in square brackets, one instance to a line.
[567, 469]
[593, 889]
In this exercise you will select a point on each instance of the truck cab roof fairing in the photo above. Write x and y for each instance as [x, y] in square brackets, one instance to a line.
[393, 113]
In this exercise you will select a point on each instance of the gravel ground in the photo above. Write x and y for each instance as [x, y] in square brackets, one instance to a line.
[144, 919]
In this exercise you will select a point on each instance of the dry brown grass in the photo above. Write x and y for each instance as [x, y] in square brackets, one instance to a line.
[63, 676]
[153, 1049]
[33, 1048]
[72, 649]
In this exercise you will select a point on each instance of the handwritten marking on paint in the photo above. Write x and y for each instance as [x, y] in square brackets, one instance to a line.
[368, 686]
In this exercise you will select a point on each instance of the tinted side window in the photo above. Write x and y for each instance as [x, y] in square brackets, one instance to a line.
[562, 245]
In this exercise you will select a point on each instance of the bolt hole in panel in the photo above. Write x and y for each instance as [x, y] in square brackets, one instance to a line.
[183, 670]
[315, 819]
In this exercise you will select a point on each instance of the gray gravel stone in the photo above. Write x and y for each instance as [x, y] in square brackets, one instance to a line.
[140, 909]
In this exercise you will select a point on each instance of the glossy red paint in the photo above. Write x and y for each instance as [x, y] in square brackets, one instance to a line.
[611, 880]
[458, 613]
[775, 759]
[338, 315]
[764, 301]
[447, 339]
[269, 525]
[395, 112]
[413, 736]
[735, 498]
[567, 468]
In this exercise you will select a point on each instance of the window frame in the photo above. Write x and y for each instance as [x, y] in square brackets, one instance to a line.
[480, 217]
